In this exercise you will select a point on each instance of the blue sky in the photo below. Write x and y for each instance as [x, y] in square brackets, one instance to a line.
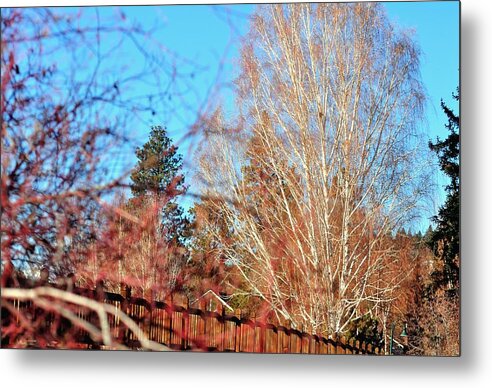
[201, 33]
[436, 28]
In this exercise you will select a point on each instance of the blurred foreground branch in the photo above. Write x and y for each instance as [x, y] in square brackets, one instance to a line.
[55, 300]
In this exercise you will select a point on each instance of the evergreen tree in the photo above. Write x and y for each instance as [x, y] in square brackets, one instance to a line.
[445, 239]
[427, 238]
[158, 173]
[158, 166]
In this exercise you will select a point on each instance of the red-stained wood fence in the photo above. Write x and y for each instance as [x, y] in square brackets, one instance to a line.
[179, 326]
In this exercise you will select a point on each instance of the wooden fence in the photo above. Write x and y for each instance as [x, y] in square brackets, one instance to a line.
[182, 327]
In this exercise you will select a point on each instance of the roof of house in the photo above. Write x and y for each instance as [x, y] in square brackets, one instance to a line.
[219, 298]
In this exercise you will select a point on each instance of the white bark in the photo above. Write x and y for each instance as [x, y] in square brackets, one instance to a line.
[331, 95]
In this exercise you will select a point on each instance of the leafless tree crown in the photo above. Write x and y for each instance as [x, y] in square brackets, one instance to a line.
[330, 99]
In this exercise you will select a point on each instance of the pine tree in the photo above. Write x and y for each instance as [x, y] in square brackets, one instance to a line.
[158, 173]
[158, 166]
[445, 240]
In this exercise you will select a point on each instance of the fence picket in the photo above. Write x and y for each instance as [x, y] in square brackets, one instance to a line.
[180, 326]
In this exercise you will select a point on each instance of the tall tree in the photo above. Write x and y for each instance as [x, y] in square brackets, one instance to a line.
[158, 173]
[330, 94]
[434, 315]
[147, 251]
[445, 240]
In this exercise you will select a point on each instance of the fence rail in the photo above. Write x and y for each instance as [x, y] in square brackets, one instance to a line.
[176, 324]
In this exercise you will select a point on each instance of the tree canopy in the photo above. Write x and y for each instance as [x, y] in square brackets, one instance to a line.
[158, 173]
[317, 174]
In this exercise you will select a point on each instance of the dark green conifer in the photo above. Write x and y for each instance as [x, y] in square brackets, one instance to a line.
[158, 172]
[445, 240]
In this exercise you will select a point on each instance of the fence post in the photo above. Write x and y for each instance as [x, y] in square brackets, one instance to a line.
[201, 325]
[262, 336]
[343, 348]
[252, 330]
[221, 332]
[168, 325]
[147, 313]
[282, 335]
[237, 331]
[301, 339]
[332, 345]
[127, 310]
[289, 346]
[352, 346]
[244, 333]
[185, 319]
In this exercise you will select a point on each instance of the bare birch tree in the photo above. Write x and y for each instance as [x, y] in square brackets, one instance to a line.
[323, 163]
